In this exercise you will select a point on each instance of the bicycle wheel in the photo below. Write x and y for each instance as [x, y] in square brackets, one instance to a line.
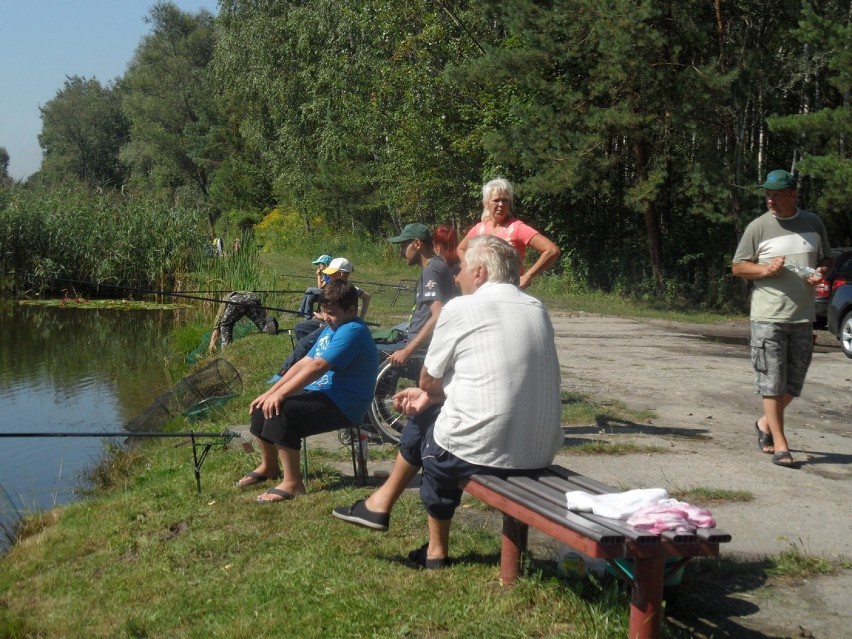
[390, 380]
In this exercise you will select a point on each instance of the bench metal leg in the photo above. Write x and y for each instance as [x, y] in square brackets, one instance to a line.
[514, 544]
[305, 460]
[646, 603]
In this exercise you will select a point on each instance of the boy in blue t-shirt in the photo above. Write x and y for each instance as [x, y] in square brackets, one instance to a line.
[328, 389]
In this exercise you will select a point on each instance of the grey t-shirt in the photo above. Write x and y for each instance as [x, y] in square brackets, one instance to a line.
[801, 238]
[436, 283]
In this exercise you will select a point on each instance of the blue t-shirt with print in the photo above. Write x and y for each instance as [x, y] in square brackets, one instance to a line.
[351, 381]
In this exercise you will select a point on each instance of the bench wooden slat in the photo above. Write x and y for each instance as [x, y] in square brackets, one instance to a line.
[555, 494]
[601, 534]
[713, 535]
[587, 483]
[679, 537]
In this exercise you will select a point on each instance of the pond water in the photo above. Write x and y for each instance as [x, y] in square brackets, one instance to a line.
[65, 370]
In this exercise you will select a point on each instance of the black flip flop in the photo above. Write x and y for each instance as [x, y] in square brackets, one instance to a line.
[256, 478]
[764, 440]
[783, 458]
[283, 494]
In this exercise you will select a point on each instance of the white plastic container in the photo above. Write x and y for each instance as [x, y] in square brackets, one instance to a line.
[800, 269]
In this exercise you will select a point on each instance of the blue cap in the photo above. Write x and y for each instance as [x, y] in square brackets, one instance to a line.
[323, 259]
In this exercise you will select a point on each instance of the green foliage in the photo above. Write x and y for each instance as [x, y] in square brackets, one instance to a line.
[347, 103]
[704, 496]
[238, 270]
[177, 137]
[797, 563]
[83, 128]
[578, 409]
[823, 124]
[634, 131]
[601, 447]
[5, 178]
[100, 238]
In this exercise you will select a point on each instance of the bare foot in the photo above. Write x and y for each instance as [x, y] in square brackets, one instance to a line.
[280, 493]
[258, 476]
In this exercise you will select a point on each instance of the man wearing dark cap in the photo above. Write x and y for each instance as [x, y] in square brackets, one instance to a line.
[784, 253]
[435, 288]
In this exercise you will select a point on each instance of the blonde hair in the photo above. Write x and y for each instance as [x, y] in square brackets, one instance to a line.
[499, 185]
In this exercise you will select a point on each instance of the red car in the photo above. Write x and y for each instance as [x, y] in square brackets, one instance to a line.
[841, 274]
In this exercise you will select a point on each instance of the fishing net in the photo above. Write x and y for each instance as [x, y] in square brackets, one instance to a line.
[193, 396]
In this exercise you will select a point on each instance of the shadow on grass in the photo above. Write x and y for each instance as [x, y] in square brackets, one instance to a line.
[606, 425]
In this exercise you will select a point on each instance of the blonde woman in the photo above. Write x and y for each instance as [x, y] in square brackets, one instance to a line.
[498, 219]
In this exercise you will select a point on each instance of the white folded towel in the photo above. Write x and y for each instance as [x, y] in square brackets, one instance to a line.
[615, 505]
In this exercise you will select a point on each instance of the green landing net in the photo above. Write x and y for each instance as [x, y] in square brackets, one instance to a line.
[193, 396]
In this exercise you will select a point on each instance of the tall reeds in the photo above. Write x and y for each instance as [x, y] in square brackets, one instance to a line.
[54, 240]
[237, 270]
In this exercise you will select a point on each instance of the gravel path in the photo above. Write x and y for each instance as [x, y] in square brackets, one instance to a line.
[698, 382]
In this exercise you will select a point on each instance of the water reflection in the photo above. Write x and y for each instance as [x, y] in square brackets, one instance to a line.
[70, 370]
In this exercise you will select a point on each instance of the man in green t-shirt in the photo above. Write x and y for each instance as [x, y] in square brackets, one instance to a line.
[783, 253]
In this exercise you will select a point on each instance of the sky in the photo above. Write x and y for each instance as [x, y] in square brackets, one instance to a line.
[44, 41]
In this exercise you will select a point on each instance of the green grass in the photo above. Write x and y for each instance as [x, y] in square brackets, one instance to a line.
[579, 409]
[156, 560]
[703, 496]
[796, 563]
[601, 447]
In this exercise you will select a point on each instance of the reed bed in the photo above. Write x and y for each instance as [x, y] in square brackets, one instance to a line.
[65, 240]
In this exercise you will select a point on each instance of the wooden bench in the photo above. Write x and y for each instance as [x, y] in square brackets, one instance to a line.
[539, 501]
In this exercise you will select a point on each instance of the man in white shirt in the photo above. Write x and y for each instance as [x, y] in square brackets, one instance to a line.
[488, 400]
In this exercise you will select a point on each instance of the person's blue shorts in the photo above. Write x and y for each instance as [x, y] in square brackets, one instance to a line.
[443, 474]
[411, 437]
[781, 354]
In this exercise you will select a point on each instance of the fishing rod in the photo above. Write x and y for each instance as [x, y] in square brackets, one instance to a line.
[198, 460]
[172, 294]
[381, 285]
[267, 291]
[145, 291]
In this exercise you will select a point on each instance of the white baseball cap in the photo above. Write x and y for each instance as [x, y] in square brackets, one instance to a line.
[339, 264]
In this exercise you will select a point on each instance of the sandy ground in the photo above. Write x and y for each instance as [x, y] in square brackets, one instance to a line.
[697, 381]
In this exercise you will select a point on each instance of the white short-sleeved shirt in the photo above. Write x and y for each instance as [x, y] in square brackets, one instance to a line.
[496, 354]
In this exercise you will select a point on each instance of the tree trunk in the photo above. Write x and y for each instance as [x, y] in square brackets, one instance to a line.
[652, 225]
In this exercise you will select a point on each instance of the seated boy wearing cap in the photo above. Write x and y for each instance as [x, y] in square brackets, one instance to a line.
[309, 330]
[312, 294]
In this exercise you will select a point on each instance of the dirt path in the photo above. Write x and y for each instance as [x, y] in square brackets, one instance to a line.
[698, 382]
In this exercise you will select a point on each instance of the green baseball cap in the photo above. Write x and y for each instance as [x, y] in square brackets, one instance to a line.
[778, 180]
[413, 231]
